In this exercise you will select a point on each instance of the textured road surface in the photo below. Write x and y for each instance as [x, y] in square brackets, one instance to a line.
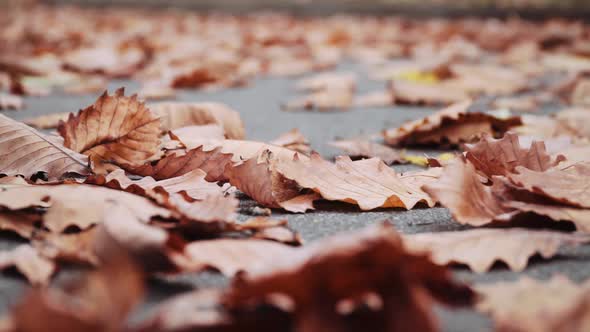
[259, 106]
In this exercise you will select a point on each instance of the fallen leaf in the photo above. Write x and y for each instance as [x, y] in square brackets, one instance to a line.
[115, 129]
[27, 152]
[368, 183]
[581, 93]
[259, 178]
[529, 305]
[191, 184]
[175, 115]
[347, 271]
[98, 301]
[75, 204]
[193, 133]
[37, 269]
[375, 99]
[452, 125]
[322, 100]
[502, 156]
[22, 224]
[69, 247]
[326, 81]
[293, 140]
[367, 149]
[460, 190]
[47, 121]
[156, 92]
[11, 102]
[527, 103]
[565, 186]
[406, 92]
[481, 248]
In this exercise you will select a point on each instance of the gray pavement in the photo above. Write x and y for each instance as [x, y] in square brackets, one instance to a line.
[259, 106]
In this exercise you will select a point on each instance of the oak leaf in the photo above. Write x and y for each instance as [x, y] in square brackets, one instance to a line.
[368, 183]
[481, 248]
[368, 149]
[528, 305]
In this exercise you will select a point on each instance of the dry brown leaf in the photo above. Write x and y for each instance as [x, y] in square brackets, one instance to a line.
[460, 190]
[293, 140]
[27, 152]
[98, 301]
[115, 129]
[326, 282]
[191, 185]
[471, 202]
[230, 256]
[259, 178]
[581, 93]
[86, 85]
[502, 156]
[375, 99]
[156, 92]
[405, 92]
[213, 214]
[568, 186]
[47, 121]
[22, 224]
[36, 268]
[11, 102]
[528, 305]
[69, 247]
[356, 148]
[368, 183]
[490, 79]
[528, 103]
[452, 125]
[105, 59]
[481, 248]
[326, 81]
[194, 133]
[75, 204]
[178, 163]
[175, 115]
[323, 101]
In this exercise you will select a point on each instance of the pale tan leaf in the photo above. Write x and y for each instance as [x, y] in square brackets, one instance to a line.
[293, 140]
[529, 305]
[452, 125]
[11, 102]
[75, 204]
[406, 92]
[323, 101]
[37, 269]
[47, 121]
[481, 248]
[27, 152]
[368, 183]
[175, 115]
[194, 133]
[366, 148]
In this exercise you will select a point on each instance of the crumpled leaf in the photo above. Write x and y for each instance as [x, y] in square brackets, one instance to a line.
[22, 224]
[259, 178]
[11, 102]
[36, 268]
[75, 204]
[471, 202]
[28, 152]
[356, 148]
[175, 115]
[105, 59]
[529, 305]
[502, 156]
[68, 247]
[329, 281]
[452, 125]
[193, 133]
[481, 248]
[368, 183]
[115, 129]
[293, 140]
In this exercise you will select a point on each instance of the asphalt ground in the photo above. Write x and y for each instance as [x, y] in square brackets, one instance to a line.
[259, 106]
